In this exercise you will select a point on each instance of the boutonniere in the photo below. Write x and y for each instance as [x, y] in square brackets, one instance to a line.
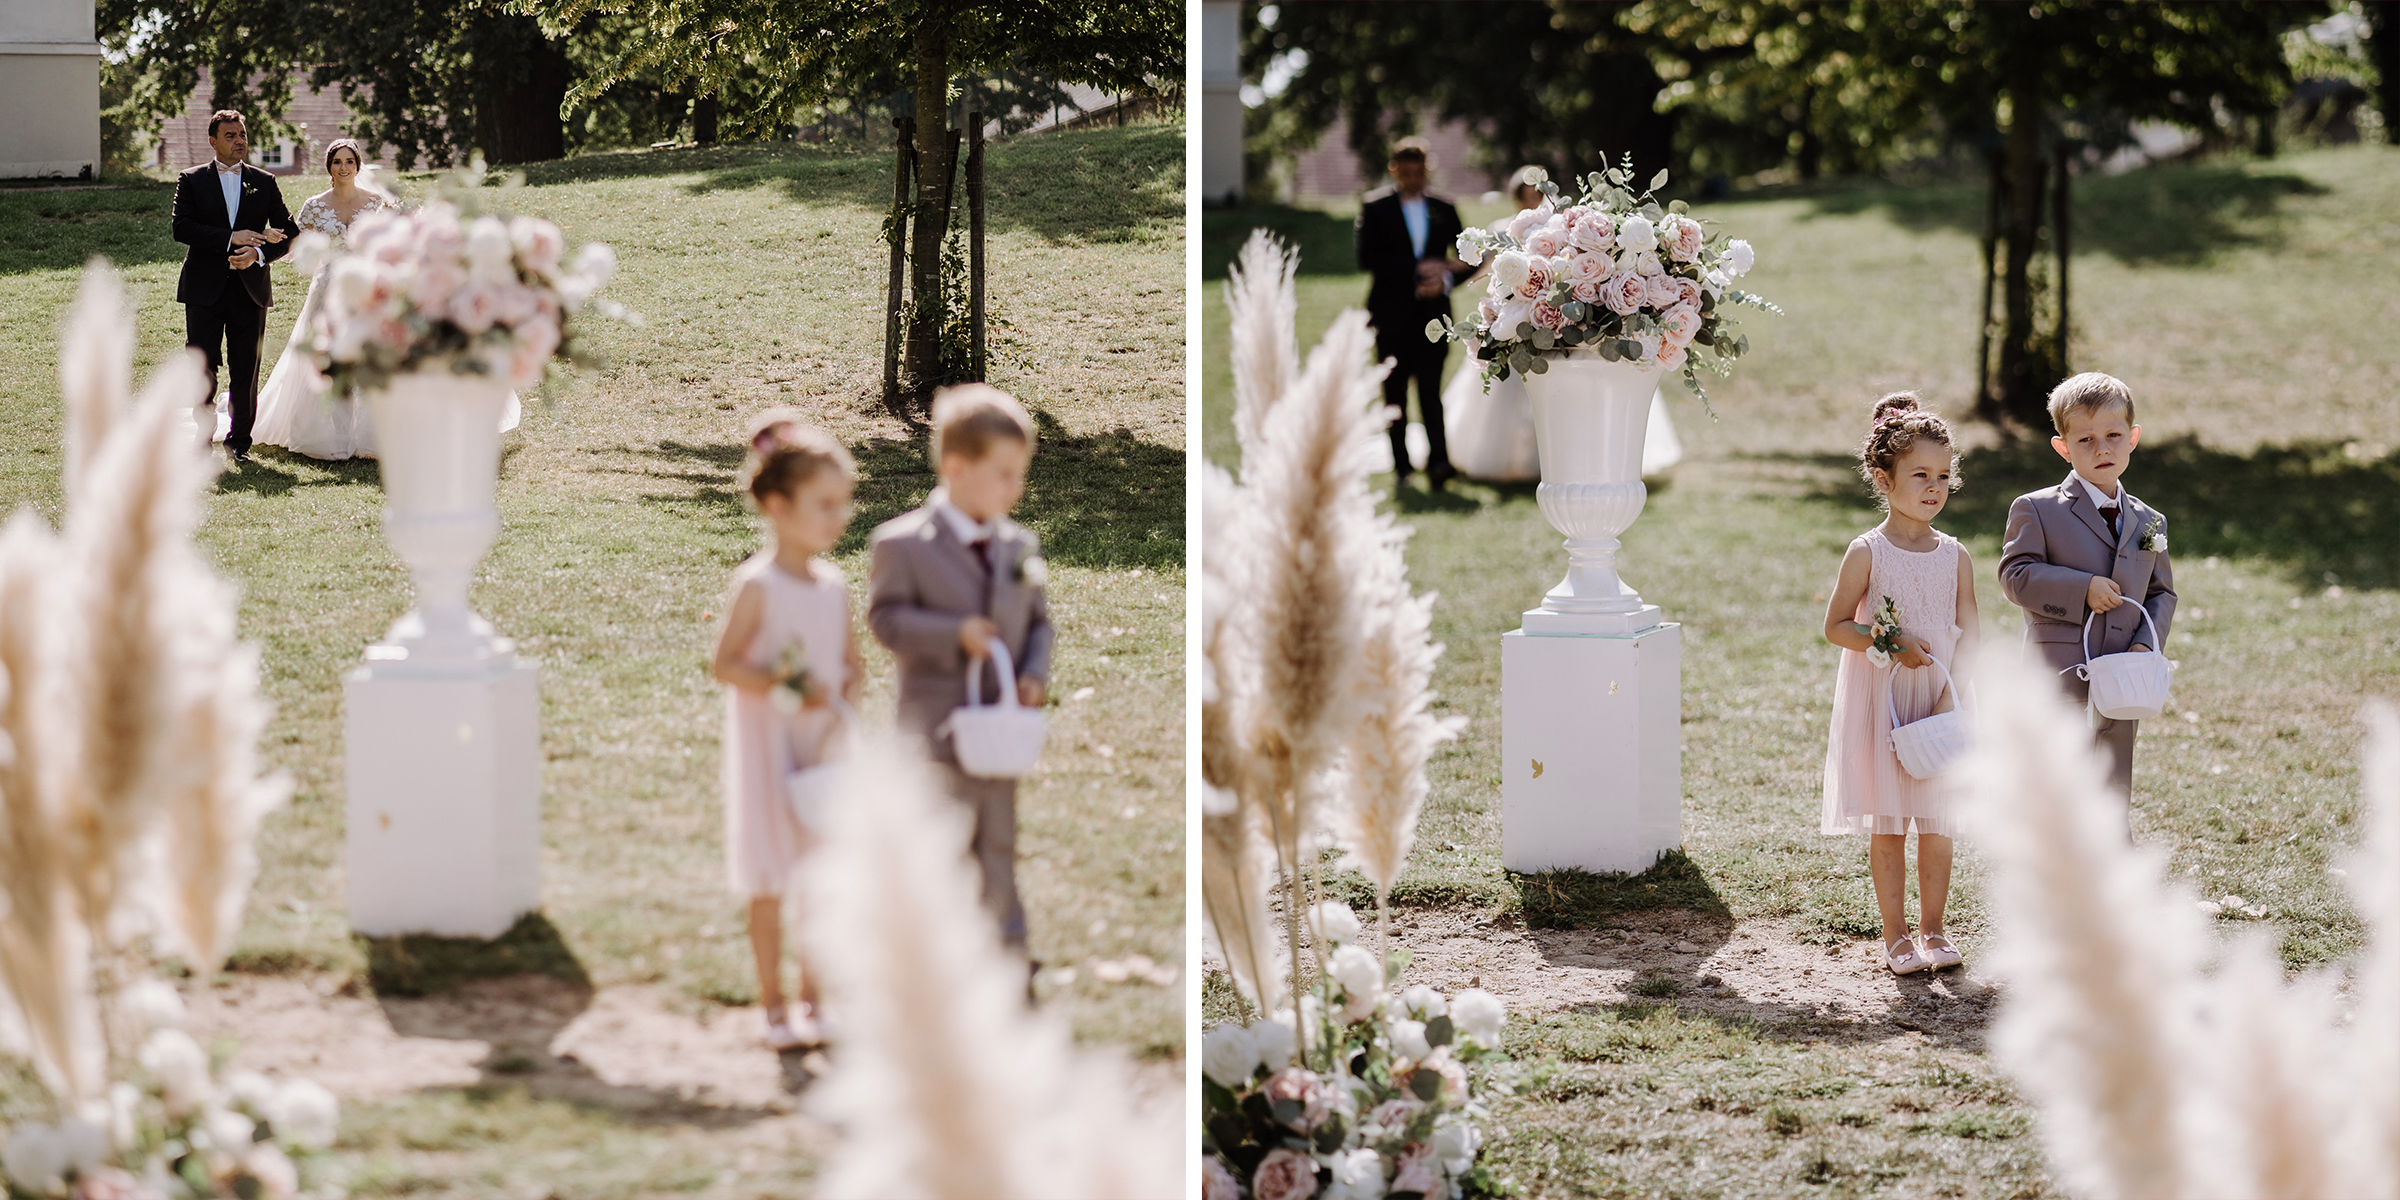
[1885, 634]
[1033, 571]
[249, 188]
[2154, 535]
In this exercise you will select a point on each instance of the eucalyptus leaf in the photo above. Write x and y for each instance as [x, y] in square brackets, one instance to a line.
[1434, 330]
[1659, 180]
[1541, 366]
[1425, 1084]
[1288, 1110]
[1438, 1031]
[1744, 344]
[1524, 331]
[1543, 339]
[1654, 212]
[1678, 206]
[1616, 175]
[1608, 350]
[1331, 1133]
[1629, 348]
[1575, 310]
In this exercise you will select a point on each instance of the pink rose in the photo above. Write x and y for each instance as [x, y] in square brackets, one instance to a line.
[1547, 316]
[1589, 293]
[530, 353]
[538, 243]
[1488, 311]
[1419, 1171]
[475, 307]
[1671, 358]
[1644, 263]
[1687, 292]
[1217, 1182]
[435, 282]
[1524, 223]
[1547, 241]
[1624, 294]
[1682, 324]
[1513, 312]
[1301, 1085]
[1595, 233]
[517, 304]
[1537, 280]
[1588, 267]
[1395, 1114]
[1680, 236]
[1285, 1175]
[371, 230]
[1663, 292]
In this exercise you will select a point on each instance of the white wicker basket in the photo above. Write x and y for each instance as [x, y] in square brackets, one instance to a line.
[2129, 686]
[1931, 745]
[811, 789]
[995, 741]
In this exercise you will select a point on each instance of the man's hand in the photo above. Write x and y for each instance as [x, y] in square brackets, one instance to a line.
[273, 236]
[1030, 692]
[2137, 648]
[1430, 280]
[2103, 595]
[247, 257]
[249, 237]
[975, 636]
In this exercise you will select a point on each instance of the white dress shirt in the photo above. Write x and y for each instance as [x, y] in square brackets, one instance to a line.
[2103, 499]
[968, 529]
[231, 182]
[1412, 212]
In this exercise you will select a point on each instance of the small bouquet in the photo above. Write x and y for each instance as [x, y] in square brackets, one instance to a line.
[177, 1129]
[1886, 634]
[1611, 271]
[2154, 535]
[447, 283]
[794, 683]
[1392, 1112]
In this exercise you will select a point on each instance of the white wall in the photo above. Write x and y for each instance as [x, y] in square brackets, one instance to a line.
[1220, 101]
[50, 89]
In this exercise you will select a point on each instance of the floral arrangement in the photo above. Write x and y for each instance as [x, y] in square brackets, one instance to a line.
[179, 1129]
[1886, 634]
[794, 682]
[1392, 1112]
[444, 283]
[1609, 271]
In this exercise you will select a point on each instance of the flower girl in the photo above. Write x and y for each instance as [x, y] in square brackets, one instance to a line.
[786, 654]
[1905, 602]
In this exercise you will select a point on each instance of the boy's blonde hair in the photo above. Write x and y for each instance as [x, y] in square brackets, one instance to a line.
[785, 453]
[969, 417]
[2089, 392]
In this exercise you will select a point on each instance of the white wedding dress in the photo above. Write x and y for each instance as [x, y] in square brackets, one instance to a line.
[1491, 433]
[295, 409]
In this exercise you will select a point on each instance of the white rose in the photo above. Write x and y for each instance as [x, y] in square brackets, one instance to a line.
[310, 251]
[1423, 1002]
[84, 1144]
[1479, 1015]
[252, 1093]
[1361, 977]
[1514, 311]
[35, 1158]
[353, 282]
[1739, 257]
[225, 1130]
[596, 262]
[1408, 1040]
[1335, 923]
[180, 1066]
[1229, 1055]
[1357, 1175]
[1525, 222]
[1878, 656]
[1637, 234]
[1510, 271]
[1275, 1041]
[1456, 1143]
[153, 1004]
[1716, 282]
[490, 255]
[306, 1114]
[1470, 248]
[1645, 263]
[2161, 542]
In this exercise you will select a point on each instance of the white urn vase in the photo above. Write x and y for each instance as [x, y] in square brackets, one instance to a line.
[437, 433]
[1589, 418]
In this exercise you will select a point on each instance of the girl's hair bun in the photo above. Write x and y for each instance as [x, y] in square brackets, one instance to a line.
[1894, 405]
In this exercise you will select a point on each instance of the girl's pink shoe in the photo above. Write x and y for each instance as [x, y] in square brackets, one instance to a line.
[1940, 953]
[1902, 957]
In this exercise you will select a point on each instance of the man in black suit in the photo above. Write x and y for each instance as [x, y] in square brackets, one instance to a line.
[1405, 241]
[232, 218]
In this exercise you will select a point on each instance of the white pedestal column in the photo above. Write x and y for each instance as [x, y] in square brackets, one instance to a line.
[444, 807]
[1591, 748]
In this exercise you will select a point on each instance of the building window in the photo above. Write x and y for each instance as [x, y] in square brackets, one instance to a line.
[277, 155]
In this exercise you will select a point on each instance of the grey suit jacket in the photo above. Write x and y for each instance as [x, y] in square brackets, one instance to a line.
[2057, 540]
[923, 583]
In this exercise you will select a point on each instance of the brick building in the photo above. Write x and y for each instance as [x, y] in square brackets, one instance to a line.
[1330, 170]
[321, 117]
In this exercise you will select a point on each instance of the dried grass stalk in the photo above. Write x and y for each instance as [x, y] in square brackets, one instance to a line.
[95, 365]
[2370, 1139]
[945, 1084]
[1262, 296]
[1237, 861]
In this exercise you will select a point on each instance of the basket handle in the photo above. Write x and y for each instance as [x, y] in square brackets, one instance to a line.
[1947, 682]
[1003, 668]
[2080, 670]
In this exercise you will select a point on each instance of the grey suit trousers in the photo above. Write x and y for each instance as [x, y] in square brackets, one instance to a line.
[2113, 737]
[993, 802]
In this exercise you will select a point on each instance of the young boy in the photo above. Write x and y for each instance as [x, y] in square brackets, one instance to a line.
[2088, 546]
[945, 581]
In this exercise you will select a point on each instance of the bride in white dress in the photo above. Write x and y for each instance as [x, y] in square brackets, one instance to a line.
[295, 410]
[1491, 433]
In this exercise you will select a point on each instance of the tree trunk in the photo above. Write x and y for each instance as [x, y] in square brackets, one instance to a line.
[1987, 402]
[704, 120]
[2383, 46]
[934, 167]
[1812, 147]
[2020, 384]
[521, 79]
[975, 243]
[904, 157]
[2061, 224]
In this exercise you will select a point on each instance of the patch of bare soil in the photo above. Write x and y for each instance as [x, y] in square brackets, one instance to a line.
[1705, 966]
[625, 1048]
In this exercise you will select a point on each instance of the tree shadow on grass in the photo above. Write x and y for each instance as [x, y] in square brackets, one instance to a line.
[270, 473]
[2173, 214]
[2312, 508]
[1107, 501]
[60, 231]
[1323, 238]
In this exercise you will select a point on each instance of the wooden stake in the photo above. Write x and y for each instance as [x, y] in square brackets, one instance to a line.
[904, 159]
[975, 243]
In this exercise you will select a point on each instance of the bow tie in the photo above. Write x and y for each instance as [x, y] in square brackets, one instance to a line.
[235, 169]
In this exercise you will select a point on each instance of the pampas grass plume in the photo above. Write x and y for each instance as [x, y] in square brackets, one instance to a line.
[1262, 296]
[944, 1083]
[95, 365]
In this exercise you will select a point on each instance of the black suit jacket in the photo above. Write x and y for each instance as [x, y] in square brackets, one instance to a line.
[1384, 254]
[202, 226]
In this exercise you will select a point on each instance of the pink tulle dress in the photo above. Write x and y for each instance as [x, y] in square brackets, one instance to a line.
[1866, 791]
[763, 743]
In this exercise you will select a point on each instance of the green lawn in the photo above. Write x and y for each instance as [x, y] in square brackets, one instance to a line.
[759, 277]
[2248, 305]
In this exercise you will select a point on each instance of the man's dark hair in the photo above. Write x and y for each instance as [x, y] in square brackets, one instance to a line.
[1409, 149]
[221, 116]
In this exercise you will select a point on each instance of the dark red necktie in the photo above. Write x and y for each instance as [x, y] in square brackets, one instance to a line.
[983, 552]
